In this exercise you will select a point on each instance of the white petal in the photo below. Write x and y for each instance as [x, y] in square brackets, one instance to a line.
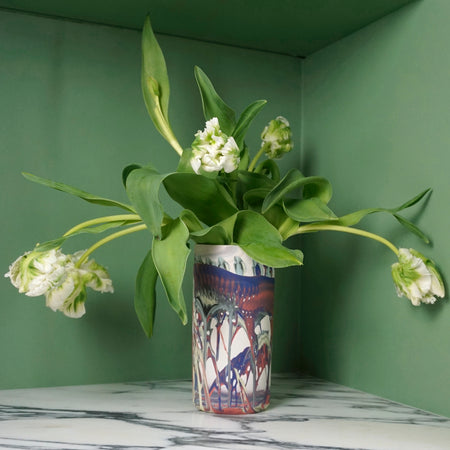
[57, 296]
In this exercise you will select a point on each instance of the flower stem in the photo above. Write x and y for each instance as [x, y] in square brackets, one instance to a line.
[116, 218]
[255, 159]
[108, 239]
[317, 227]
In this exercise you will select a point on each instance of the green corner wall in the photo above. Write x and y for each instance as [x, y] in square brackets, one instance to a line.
[71, 110]
[369, 112]
[377, 124]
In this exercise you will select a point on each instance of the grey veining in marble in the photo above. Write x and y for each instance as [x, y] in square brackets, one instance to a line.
[305, 413]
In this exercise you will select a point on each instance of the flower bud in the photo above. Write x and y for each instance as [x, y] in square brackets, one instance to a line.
[277, 138]
[416, 277]
[213, 150]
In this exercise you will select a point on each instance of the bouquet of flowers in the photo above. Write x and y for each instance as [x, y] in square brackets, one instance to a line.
[228, 195]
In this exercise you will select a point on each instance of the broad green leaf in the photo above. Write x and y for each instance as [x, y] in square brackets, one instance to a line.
[269, 167]
[170, 255]
[247, 181]
[156, 93]
[318, 187]
[219, 234]
[91, 198]
[308, 210]
[191, 220]
[413, 228]
[245, 120]
[213, 105]
[260, 240]
[312, 187]
[143, 191]
[254, 198]
[145, 294]
[205, 197]
[127, 170]
[281, 221]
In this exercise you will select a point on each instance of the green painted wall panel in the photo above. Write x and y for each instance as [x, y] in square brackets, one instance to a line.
[376, 110]
[71, 110]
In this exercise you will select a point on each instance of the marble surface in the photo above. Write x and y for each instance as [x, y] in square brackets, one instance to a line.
[305, 413]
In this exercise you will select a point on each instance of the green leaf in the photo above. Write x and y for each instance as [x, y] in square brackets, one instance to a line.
[127, 170]
[281, 221]
[244, 159]
[260, 240]
[155, 80]
[312, 187]
[143, 191]
[206, 197]
[56, 243]
[357, 216]
[184, 164]
[413, 201]
[145, 294]
[413, 228]
[50, 245]
[170, 255]
[247, 181]
[245, 120]
[308, 210]
[213, 105]
[269, 167]
[254, 198]
[91, 198]
[219, 234]
[191, 220]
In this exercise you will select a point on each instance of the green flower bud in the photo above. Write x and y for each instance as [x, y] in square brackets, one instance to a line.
[277, 138]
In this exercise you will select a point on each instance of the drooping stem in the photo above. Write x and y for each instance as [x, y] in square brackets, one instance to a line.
[104, 219]
[255, 159]
[109, 239]
[317, 227]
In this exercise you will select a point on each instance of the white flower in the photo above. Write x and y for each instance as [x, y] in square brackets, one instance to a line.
[34, 273]
[416, 277]
[95, 276]
[69, 296]
[213, 150]
[277, 138]
[58, 277]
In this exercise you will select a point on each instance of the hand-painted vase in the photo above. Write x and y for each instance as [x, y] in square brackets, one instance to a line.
[232, 331]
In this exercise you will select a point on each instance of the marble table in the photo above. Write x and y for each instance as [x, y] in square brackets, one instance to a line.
[305, 413]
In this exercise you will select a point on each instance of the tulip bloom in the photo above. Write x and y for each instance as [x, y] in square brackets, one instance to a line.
[59, 278]
[416, 277]
[213, 150]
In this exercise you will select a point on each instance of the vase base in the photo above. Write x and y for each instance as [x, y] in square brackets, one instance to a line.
[214, 406]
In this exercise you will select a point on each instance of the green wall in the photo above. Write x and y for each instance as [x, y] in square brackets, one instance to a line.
[71, 110]
[376, 123]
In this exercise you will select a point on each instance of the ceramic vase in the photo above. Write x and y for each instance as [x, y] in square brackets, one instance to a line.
[232, 331]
